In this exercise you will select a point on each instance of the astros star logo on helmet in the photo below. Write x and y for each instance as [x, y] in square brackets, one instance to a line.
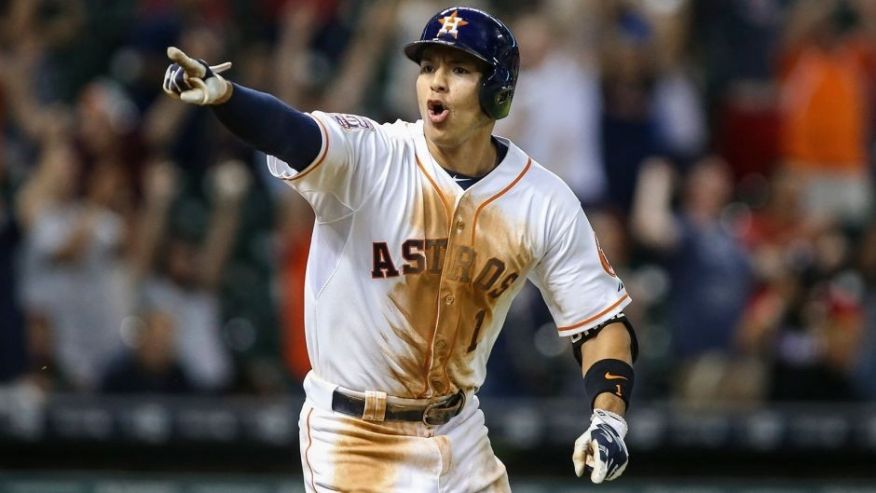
[450, 24]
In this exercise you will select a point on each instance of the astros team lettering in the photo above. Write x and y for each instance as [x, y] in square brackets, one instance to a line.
[427, 255]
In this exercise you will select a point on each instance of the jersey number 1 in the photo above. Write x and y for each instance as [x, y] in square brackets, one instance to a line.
[479, 320]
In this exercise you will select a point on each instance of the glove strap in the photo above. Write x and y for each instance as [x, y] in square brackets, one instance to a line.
[615, 421]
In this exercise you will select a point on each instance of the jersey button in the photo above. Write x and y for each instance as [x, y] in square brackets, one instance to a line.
[449, 299]
[460, 225]
[439, 386]
[440, 346]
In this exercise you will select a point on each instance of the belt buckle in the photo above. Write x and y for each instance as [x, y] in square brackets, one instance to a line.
[434, 415]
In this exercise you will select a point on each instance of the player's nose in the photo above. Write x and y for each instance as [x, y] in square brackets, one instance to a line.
[439, 80]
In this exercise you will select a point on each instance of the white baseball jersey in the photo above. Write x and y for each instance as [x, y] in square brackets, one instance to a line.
[410, 278]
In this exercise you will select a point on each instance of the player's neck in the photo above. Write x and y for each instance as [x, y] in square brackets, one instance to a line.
[474, 157]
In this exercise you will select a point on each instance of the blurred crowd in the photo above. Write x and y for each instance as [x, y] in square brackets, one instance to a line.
[722, 149]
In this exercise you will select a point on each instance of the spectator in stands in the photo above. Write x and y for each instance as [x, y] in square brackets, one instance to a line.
[184, 282]
[806, 322]
[29, 129]
[627, 125]
[709, 271]
[152, 365]
[677, 99]
[557, 104]
[71, 253]
[781, 229]
[649, 105]
[735, 42]
[778, 236]
[825, 132]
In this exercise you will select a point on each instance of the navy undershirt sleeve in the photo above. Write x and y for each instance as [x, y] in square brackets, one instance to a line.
[271, 126]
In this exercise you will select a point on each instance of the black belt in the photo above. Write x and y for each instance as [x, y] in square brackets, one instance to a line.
[434, 414]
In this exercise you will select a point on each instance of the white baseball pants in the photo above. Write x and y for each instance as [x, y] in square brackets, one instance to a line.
[344, 453]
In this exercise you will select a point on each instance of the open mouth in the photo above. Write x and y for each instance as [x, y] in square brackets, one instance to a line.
[437, 111]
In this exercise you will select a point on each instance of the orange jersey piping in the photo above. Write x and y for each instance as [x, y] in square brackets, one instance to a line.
[594, 317]
[435, 186]
[474, 221]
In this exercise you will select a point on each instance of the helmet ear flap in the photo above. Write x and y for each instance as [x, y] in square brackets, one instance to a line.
[495, 97]
[497, 90]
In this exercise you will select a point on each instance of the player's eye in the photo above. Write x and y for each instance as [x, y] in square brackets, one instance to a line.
[426, 68]
[461, 70]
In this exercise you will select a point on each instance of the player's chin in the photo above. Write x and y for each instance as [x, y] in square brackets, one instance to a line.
[440, 136]
[435, 132]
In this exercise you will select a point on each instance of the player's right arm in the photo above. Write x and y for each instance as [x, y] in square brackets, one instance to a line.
[259, 119]
[334, 161]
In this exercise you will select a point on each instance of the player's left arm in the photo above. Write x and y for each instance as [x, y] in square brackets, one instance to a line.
[586, 299]
[606, 356]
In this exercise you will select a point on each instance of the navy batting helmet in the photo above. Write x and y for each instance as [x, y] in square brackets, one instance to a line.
[483, 36]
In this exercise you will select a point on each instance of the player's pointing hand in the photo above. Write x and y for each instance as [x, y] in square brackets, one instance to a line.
[193, 81]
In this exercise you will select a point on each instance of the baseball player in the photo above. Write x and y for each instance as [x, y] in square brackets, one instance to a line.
[424, 234]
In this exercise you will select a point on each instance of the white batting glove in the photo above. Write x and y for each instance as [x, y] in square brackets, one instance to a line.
[193, 81]
[601, 449]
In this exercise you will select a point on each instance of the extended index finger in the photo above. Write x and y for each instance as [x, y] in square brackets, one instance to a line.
[192, 67]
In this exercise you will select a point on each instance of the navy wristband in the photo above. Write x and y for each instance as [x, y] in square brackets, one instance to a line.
[612, 376]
